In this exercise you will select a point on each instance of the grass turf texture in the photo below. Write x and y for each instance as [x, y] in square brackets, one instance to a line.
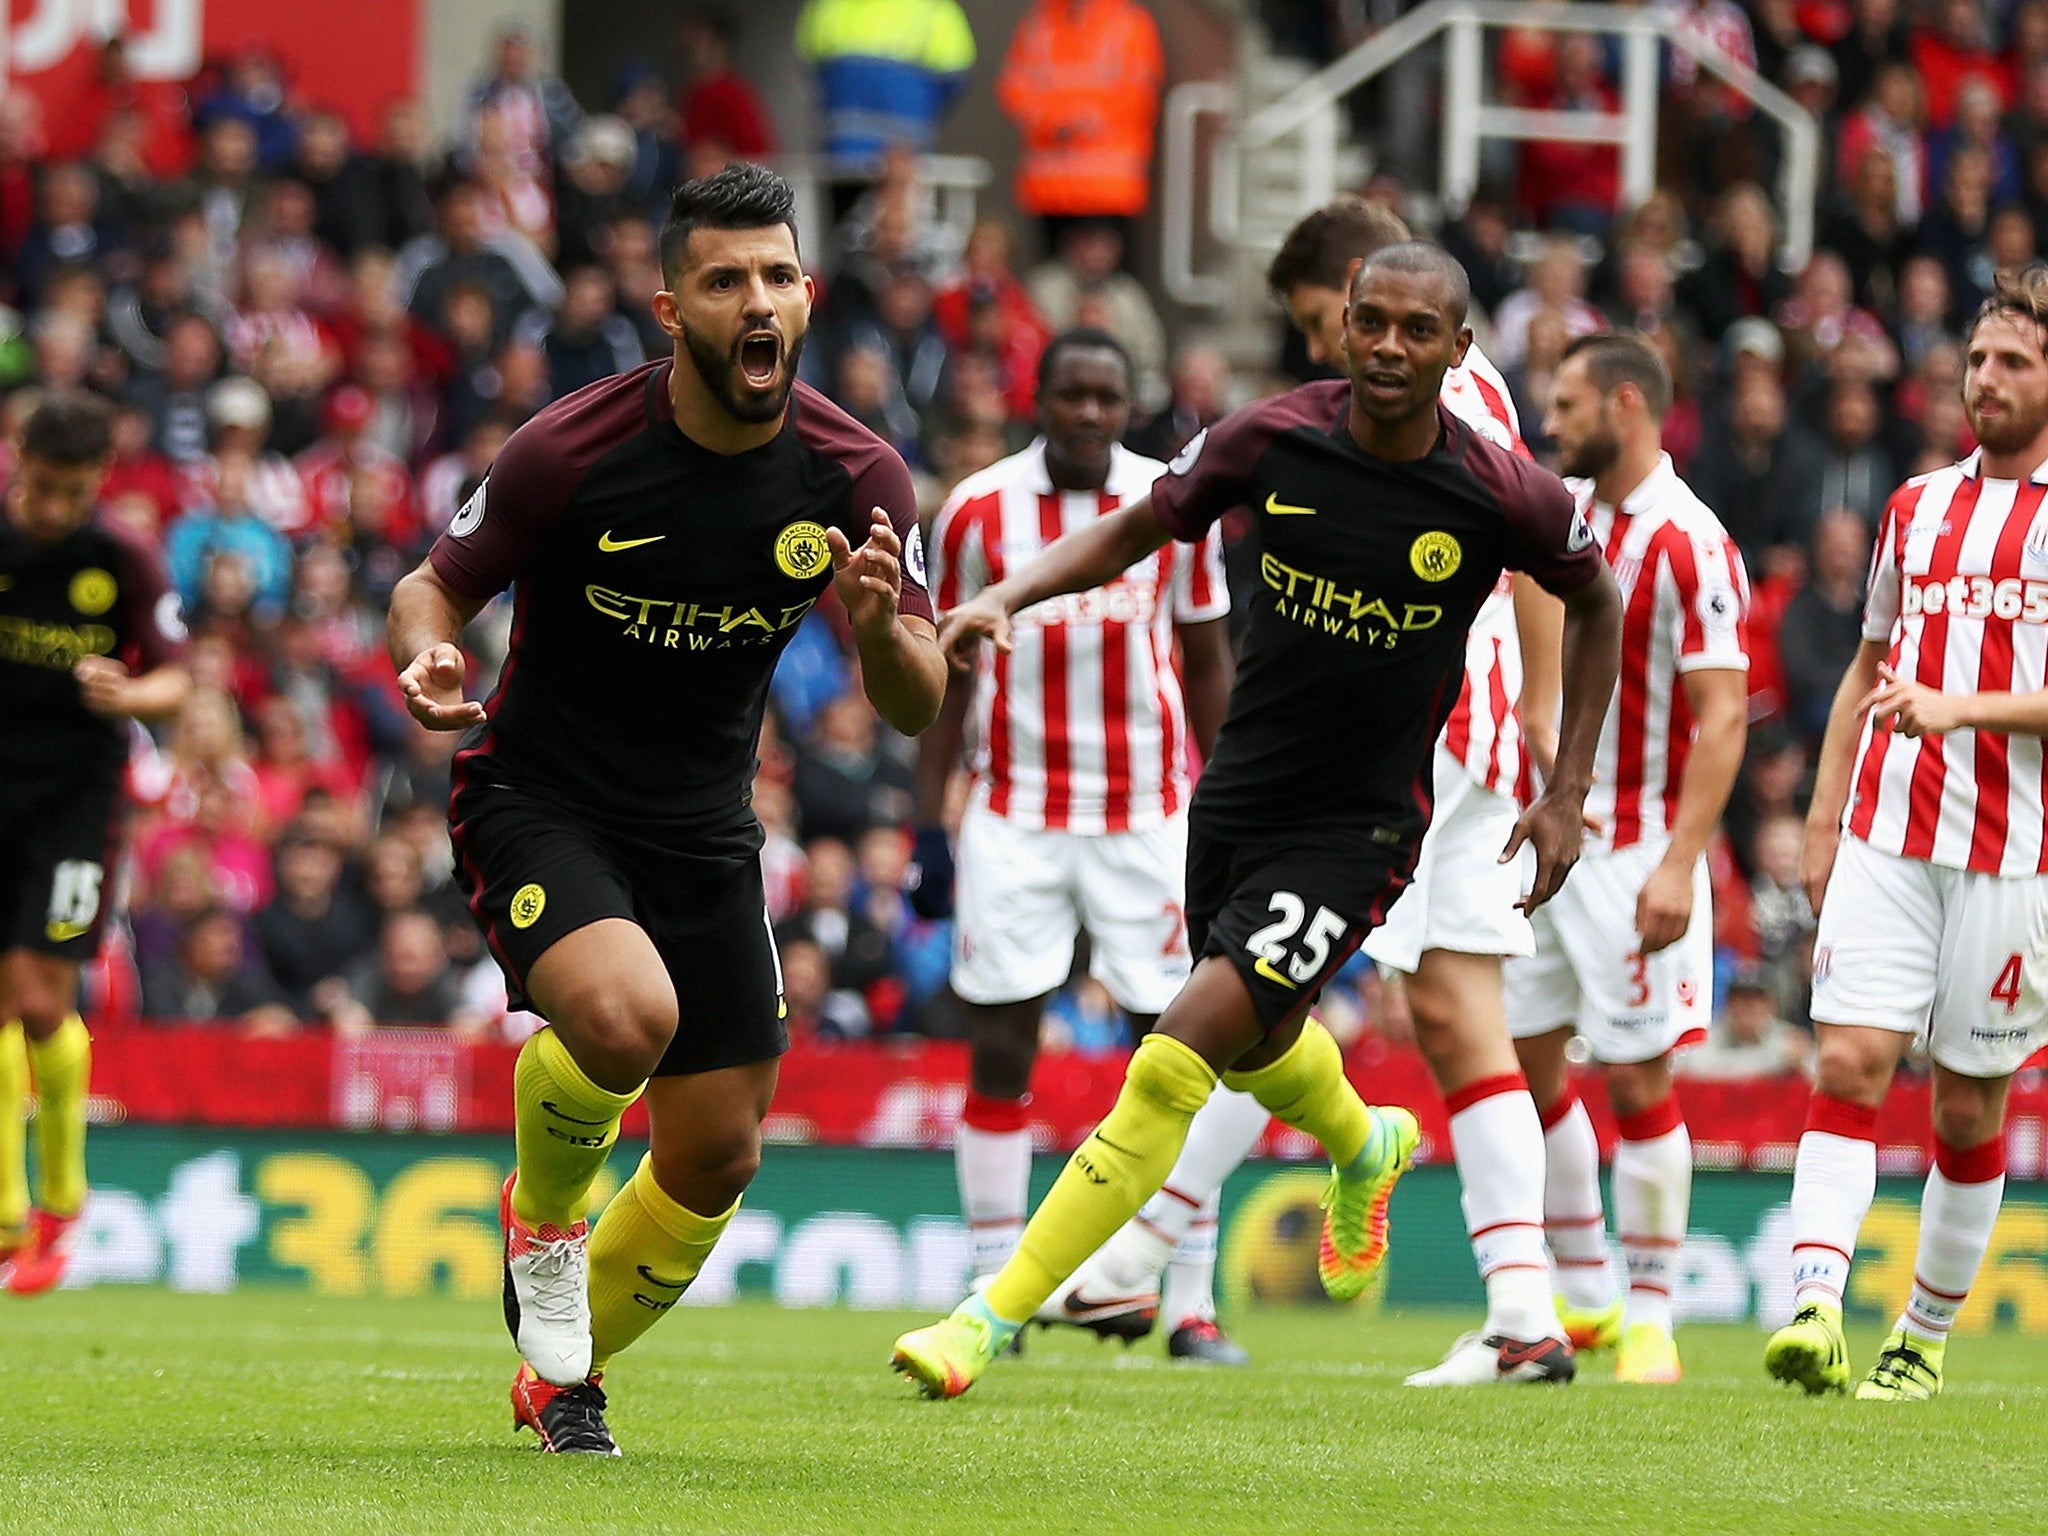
[266, 1411]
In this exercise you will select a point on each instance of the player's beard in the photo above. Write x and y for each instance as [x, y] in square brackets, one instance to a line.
[719, 368]
[2006, 432]
[1593, 457]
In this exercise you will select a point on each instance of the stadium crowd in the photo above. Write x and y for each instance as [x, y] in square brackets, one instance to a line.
[317, 346]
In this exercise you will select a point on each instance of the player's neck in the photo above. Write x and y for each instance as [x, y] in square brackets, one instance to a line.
[701, 418]
[2018, 464]
[1410, 438]
[1069, 477]
[1631, 467]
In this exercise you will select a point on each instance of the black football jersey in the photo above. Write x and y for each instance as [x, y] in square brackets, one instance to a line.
[98, 591]
[1369, 574]
[654, 585]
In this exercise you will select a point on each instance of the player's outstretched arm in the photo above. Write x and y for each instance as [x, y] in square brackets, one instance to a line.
[1088, 557]
[900, 664]
[1831, 775]
[1555, 824]
[423, 633]
[107, 689]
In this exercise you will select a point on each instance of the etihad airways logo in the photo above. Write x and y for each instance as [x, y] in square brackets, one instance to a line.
[681, 624]
[1348, 613]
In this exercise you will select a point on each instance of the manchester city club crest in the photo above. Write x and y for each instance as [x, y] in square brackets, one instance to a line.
[801, 550]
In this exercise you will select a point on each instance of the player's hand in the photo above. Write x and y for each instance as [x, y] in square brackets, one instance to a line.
[102, 685]
[1910, 708]
[1817, 860]
[1664, 906]
[1555, 826]
[929, 880]
[869, 579]
[432, 686]
[981, 617]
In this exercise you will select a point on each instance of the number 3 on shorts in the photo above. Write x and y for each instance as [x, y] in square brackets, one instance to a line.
[1271, 942]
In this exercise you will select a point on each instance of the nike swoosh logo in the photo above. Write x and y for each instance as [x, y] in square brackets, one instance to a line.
[667, 1285]
[1265, 968]
[612, 546]
[1126, 1151]
[556, 1110]
[1281, 508]
[1513, 1354]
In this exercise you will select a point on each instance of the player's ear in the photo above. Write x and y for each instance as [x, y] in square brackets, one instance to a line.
[1462, 346]
[666, 315]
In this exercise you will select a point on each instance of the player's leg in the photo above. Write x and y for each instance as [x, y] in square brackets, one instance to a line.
[1652, 1203]
[1876, 961]
[1461, 1028]
[653, 1238]
[1013, 943]
[14, 1199]
[44, 989]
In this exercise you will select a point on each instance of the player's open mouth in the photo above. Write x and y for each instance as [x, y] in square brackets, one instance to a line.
[760, 358]
[1382, 382]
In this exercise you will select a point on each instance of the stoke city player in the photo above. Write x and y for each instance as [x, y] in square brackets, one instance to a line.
[90, 639]
[1624, 956]
[667, 530]
[1927, 859]
[1077, 818]
[1383, 524]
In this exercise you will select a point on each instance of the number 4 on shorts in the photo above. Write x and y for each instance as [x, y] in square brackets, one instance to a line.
[2006, 989]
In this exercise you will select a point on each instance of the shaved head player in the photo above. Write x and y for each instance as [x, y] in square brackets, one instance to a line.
[667, 531]
[1384, 523]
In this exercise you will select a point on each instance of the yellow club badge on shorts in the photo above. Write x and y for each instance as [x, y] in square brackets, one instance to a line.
[801, 550]
[93, 591]
[1436, 556]
[528, 905]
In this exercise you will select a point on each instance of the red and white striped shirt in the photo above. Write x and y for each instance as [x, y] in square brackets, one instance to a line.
[1082, 726]
[1685, 600]
[1485, 729]
[1959, 586]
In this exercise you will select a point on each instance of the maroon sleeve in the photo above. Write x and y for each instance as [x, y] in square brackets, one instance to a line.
[1547, 534]
[884, 482]
[152, 621]
[1213, 473]
[489, 541]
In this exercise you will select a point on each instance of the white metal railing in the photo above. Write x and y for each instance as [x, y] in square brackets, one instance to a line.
[955, 182]
[1468, 119]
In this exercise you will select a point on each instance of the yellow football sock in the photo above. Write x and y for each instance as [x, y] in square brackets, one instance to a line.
[1117, 1169]
[1307, 1089]
[565, 1125]
[644, 1252]
[13, 1134]
[63, 1068]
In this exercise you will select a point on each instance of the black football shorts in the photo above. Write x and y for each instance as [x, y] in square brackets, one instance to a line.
[1288, 913]
[533, 873]
[57, 866]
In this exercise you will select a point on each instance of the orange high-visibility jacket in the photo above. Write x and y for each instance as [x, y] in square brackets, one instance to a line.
[1082, 82]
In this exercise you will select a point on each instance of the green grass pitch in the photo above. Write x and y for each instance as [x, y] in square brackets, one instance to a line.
[264, 1411]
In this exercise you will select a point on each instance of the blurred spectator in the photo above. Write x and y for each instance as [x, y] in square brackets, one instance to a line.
[1781, 914]
[1977, 126]
[1925, 310]
[887, 71]
[286, 769]
[1957, 222]
[985, 309]
[1850, 466]
[590, 339]
[68, 228]
[845, 782]
[136, 468]
[512, 184]
[595, 188]
[406, 981]
[312, 931]
[856, 949]
[511, 276]
[213, 979]
[1867, 234]
[1572, 186]
[398, 208]
[1877, 36]
[1533, 379]
[1740, 276]
[253, 92]
[1201, 375]
[640, 103]
[1741, 474]
[346, 465]
[1479, 240]
[719, 106]
[229, 528]
[1822, 626]
[1747, 1037]
[450, 480]
[1951, 48]
[814, 1010]
[1821, 318]
[1086, 128]
[1556, 286]
[535, 110]
[175, 398]
[1085, 285]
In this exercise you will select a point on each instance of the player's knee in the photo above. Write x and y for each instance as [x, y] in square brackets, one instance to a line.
[1966, 1114]
[621, 1033]
[712, 1168]
[1850, 1067]
[1633, 1087]
[1002, 1048]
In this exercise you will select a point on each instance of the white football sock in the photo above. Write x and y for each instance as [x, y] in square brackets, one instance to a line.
[1957, 1213]
[1652, 1201]
[1498, 1143]
[992, 1162]
[1834, 1179]
[1188, 1293]
[1574, 1220]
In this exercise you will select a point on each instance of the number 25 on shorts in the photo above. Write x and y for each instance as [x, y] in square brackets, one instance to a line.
[1271, 944]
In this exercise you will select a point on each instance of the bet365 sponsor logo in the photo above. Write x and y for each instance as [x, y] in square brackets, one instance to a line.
[1976, 597]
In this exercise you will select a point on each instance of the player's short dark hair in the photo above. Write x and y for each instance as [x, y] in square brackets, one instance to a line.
[1615, 358]
[1423, 259]
[69, 427]
[1081, 338]
[1318, 251]
[2023, 295]
[742, 196]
